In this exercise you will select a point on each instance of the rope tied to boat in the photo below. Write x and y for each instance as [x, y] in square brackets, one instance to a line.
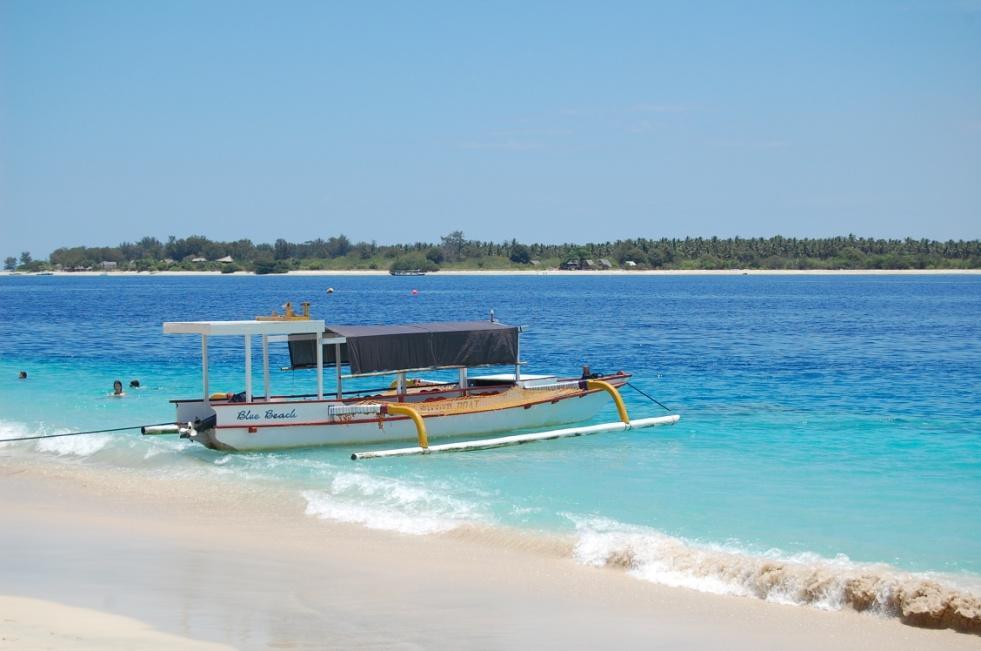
[651, 398]
[94, 431]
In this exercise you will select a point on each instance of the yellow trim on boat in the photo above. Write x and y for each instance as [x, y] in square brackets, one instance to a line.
[612, 390]
[406, 410]
[515, 396]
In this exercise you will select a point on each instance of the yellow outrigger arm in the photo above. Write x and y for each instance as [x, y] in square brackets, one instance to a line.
[612, 390]
[406, 410]
[485, 444]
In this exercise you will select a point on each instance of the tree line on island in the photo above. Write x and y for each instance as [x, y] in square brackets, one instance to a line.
[455, 251]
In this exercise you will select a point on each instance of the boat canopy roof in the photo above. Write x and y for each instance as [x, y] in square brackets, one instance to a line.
[216, 328]
[381, 348]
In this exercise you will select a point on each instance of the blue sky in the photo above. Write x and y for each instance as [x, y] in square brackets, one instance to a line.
[555, 121]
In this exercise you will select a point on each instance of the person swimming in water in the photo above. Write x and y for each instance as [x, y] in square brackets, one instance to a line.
[22, 375]
[134, 384]
[117, 389]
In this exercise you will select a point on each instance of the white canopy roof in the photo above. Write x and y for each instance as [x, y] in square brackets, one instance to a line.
[214, 328]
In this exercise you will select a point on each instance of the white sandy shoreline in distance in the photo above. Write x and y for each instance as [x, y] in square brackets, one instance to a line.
[241, 565]
[542, 272]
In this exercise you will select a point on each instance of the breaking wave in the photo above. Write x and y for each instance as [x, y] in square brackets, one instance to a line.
[76, 446]
[390, 504]
[9, 430]
[804, 579]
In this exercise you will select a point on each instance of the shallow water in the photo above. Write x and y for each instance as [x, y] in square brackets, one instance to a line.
[832, 423]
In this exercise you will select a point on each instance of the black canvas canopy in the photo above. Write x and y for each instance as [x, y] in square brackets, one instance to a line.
[379, 348]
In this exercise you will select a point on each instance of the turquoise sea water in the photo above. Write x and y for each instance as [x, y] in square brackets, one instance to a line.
[832, 423]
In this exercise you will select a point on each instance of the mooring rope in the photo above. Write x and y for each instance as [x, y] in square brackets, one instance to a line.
[638, 390]
[94, 431]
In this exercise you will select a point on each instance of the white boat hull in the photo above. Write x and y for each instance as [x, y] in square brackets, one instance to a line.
[299, 424]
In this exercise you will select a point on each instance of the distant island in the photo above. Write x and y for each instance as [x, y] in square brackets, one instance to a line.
[456, 252]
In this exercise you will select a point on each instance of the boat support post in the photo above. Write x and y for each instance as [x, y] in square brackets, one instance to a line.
[204, 368]
[337, 371]
[248, 368]
[265, 365]
[320, 364]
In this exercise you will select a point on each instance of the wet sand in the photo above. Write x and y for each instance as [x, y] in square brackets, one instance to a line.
[35, 624]
[246, 568]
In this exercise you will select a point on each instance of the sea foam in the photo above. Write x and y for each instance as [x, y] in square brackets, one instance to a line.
[9, 430]
[390, 504]
[77, 446]
[803, 579]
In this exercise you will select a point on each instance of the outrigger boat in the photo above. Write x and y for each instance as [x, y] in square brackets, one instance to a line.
[408, 410]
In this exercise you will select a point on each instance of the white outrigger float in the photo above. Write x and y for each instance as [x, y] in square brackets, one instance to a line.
[409, 410]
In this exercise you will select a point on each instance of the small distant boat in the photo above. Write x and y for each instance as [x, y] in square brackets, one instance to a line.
[414, 409]
[44, 273]
[408, 272]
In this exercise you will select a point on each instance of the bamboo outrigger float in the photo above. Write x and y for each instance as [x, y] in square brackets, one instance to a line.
[410, 410]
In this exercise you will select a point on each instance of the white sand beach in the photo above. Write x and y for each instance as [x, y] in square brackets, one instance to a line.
[106, 558]
[36, 624]
[544, 272]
